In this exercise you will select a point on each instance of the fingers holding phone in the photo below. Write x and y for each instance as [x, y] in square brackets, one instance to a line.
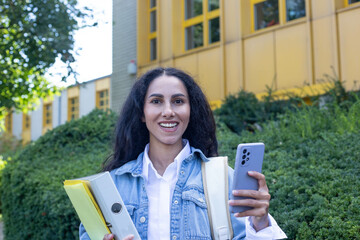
[256, 201]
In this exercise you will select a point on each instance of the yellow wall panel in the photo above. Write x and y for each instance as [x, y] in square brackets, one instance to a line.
[325, 53]
[73, 92]
[233, 67]
[292, 56]
[231, 19]
[210, 78]
[146, 68]
[322, 8]
[166, 64]
[189, 64]
[142, 32]
[259, 62]
[176, 20]
[165, 29]
[102, 84]
[349, 34]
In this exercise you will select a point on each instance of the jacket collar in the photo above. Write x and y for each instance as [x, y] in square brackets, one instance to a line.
[135, 167]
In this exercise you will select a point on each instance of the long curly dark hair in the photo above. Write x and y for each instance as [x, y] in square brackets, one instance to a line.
[131, 134]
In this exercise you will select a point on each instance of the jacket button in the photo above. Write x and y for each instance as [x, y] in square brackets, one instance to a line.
[174, 237]
[142, 219]
[176, 202]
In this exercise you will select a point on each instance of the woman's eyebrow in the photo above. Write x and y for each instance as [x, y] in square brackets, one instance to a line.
[156, 95]
[178, 95]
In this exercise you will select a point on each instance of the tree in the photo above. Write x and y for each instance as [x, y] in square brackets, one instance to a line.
[33, 33]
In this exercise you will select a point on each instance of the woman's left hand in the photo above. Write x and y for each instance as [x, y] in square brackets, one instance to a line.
[259, 201]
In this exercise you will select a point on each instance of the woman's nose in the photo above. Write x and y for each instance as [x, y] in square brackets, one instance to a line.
[168, 111]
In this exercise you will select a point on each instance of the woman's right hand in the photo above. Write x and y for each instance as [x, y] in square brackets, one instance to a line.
[111, 237]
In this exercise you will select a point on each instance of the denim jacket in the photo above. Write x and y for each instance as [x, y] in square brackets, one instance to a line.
[188, 211]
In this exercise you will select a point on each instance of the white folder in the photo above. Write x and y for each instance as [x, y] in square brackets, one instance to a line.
[111, 205]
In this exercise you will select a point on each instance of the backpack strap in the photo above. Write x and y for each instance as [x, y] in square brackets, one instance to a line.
[216, 189]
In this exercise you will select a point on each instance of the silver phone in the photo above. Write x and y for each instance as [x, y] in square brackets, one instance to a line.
[249, 157]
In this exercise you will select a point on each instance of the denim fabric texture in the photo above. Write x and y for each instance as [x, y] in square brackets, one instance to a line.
[188, 211]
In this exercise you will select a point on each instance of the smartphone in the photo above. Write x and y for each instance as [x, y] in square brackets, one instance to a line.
[249, 157]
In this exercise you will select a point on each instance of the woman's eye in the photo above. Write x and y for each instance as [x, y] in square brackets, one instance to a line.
[156, 101]
[178, 101]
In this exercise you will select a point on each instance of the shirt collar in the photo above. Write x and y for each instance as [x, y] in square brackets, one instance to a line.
[148, 166]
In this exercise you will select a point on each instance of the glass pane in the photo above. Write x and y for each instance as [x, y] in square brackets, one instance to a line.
[101, 103]
[295, 9]
[152, 3]
[194, 36]
[214, 30]
[213, 4]
[153, 21]
[153, 49]
[353, 1]
[101, 94]
[193, 8]
[266, 14]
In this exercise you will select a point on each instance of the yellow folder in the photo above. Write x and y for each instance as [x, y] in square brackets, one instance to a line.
[86, 208]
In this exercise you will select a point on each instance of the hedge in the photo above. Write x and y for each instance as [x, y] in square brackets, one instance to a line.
[34, 203]
[311, 164]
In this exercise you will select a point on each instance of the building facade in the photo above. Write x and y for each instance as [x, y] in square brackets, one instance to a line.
[73, 103]
[230, 45]
[227, 45]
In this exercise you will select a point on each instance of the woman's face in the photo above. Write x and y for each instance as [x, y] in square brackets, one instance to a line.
[166, 110]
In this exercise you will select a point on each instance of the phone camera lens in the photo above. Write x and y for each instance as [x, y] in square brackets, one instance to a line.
[243, 156]
[248, 153]
[244, 151]
[247, 159]
[243, 162]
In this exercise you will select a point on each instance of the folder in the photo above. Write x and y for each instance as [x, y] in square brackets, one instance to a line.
[99, 206]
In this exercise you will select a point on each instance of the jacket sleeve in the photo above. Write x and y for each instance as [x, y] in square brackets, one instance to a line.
[82, 233]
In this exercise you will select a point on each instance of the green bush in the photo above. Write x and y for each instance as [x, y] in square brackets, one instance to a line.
[312, 169]
[243, 111]
[34, 203]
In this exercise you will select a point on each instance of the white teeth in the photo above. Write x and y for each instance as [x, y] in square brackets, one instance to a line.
[168, 125]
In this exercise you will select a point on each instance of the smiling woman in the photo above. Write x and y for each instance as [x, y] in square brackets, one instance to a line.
[165, 131]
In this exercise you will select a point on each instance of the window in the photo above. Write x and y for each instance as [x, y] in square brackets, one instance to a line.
[267, 13]
[152, 35]
[26, 122]
[102, 99]
[348, 2]
[47, 116]
[26, 129]
[73, 108]
[295, 9]
[201, 23]
[8, 122]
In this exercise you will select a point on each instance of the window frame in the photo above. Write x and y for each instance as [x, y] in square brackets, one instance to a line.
[282, 14]
[98, 99]
[77, 111]
[347, 4]
[204, 18]
[49, 117]
[152, 35]
[9, 122]
[26, 118]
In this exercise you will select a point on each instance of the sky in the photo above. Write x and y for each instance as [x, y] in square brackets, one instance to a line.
[94, 44]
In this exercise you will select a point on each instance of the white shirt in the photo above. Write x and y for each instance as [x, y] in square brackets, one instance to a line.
[160, 190]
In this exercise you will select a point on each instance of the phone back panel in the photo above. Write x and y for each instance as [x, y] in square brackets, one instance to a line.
[249, 157]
